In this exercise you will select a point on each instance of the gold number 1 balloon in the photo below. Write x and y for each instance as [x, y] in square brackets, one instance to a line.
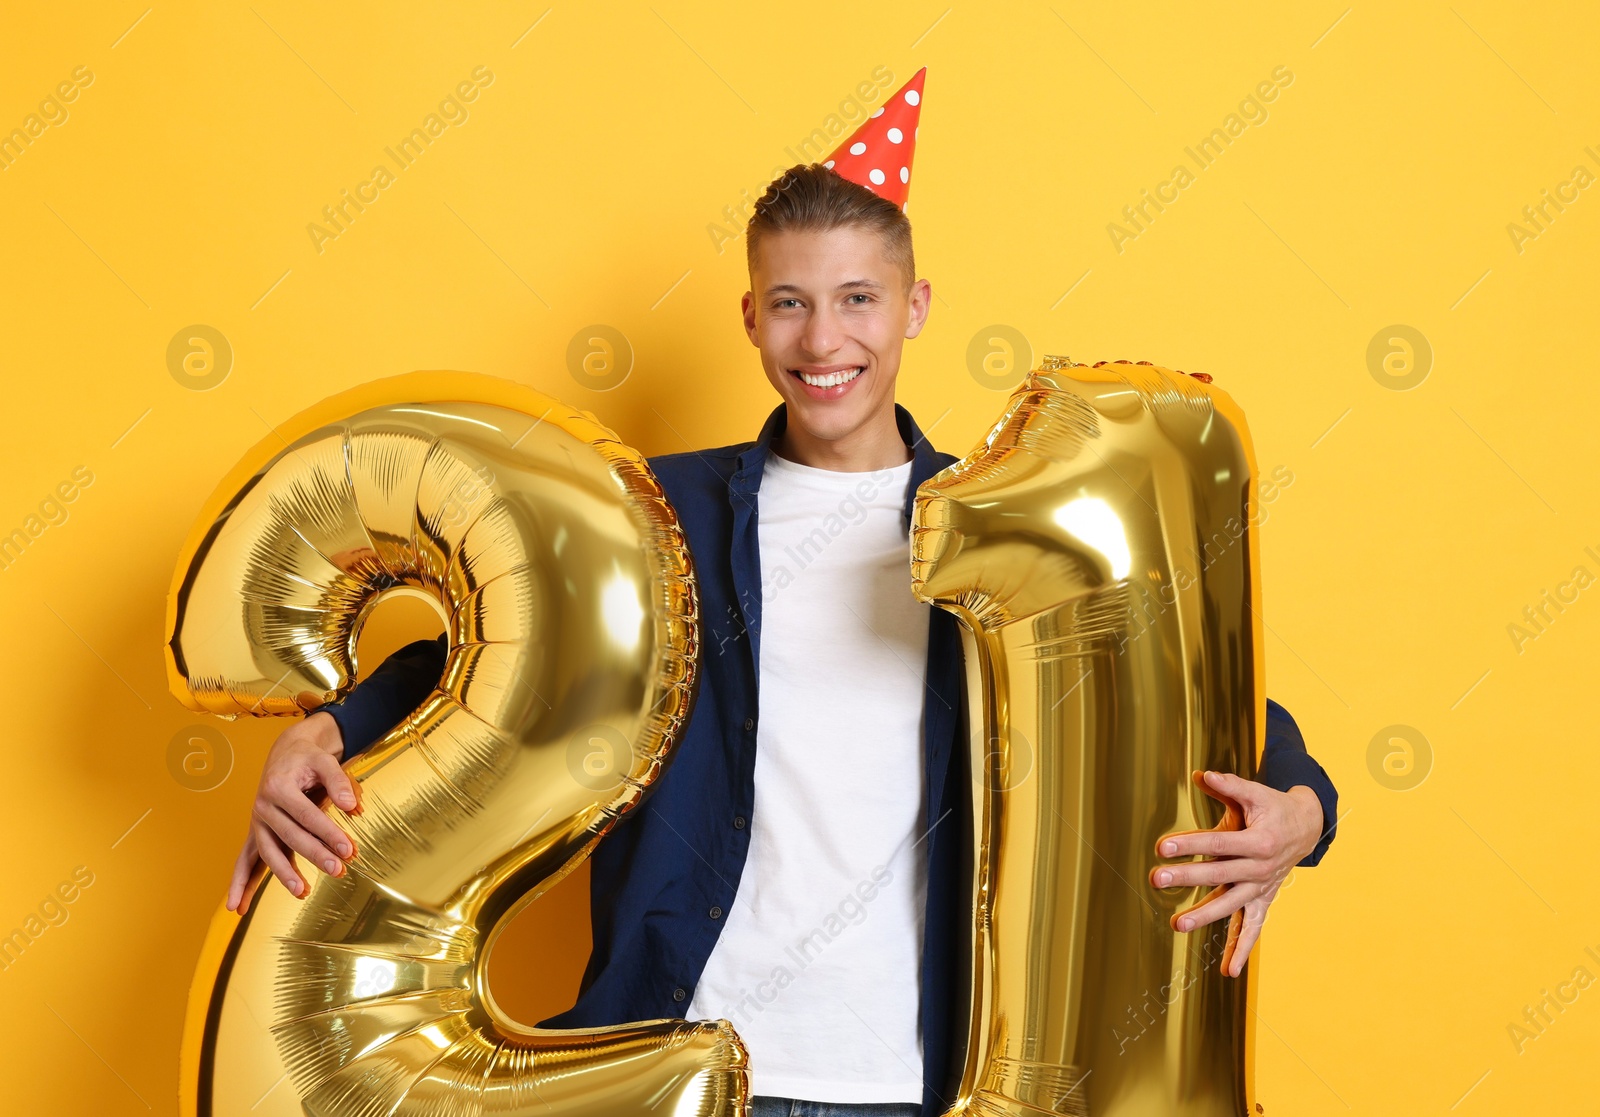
[1099, 548]
[572, 635]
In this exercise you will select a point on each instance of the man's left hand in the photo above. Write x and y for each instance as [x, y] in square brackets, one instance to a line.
[1245, 866]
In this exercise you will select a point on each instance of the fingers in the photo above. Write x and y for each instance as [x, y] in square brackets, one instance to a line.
[1217, 903]
[343, 790]
[296, 837]
[252, 885]
[1231, 941]
[1243, 934]
[278, 859]
[324, 838]
[287, 821]
[1233, 806]
[242, 868]
[1211, 843]
[1227, 786]
[1232, 869]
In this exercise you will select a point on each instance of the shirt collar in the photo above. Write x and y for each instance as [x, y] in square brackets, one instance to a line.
[925, 460]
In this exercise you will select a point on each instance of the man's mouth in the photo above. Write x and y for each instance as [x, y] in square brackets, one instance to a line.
[828, 379]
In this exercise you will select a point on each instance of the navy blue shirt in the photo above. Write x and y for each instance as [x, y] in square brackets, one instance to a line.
[661, 881]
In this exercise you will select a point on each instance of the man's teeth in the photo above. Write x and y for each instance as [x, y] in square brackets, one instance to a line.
[831, 379]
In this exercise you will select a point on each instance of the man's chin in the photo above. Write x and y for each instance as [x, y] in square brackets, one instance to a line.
[826, 421]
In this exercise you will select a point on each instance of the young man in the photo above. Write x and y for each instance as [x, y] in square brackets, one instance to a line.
[799, 867]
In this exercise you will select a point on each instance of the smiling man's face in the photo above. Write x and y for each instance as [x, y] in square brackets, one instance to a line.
[830, 312]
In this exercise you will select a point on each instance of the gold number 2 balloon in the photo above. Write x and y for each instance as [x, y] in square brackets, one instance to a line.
[572, 629]
[1098, 548]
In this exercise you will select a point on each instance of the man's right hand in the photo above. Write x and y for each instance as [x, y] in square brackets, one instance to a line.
[286, 818]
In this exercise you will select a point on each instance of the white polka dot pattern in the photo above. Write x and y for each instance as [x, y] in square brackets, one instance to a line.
[885, 139]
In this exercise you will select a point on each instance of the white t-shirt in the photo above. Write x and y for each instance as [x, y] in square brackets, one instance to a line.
[818, 963]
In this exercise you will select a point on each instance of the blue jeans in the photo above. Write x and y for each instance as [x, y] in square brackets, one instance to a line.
[762, 1106]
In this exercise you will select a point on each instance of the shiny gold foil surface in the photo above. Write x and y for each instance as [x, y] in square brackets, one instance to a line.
[1099, 549]
[572, 626]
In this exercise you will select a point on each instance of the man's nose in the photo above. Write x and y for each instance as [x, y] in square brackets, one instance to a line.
[821, 335]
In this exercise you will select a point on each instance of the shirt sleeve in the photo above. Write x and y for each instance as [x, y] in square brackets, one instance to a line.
[1285, 763]
[383, 700]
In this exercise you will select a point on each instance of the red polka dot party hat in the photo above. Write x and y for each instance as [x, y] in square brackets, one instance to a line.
[878, 154]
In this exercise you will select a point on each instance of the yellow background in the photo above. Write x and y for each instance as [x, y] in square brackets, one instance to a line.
[1418, 526]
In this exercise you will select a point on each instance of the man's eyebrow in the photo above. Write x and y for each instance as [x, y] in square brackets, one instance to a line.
[846, 286]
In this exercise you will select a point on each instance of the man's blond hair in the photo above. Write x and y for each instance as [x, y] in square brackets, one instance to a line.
[814, 198]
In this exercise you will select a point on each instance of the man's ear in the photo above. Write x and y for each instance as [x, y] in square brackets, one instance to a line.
[921, 300]
[748, 306]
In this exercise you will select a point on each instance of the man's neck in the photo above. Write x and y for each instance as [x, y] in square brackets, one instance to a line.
[875, 445]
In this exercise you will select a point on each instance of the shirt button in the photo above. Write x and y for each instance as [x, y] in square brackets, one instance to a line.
[749, 724]
[738, 822]
[678, 994]
[715, 913]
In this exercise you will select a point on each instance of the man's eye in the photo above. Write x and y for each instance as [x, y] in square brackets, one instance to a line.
[785, 304]
[862, 296]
